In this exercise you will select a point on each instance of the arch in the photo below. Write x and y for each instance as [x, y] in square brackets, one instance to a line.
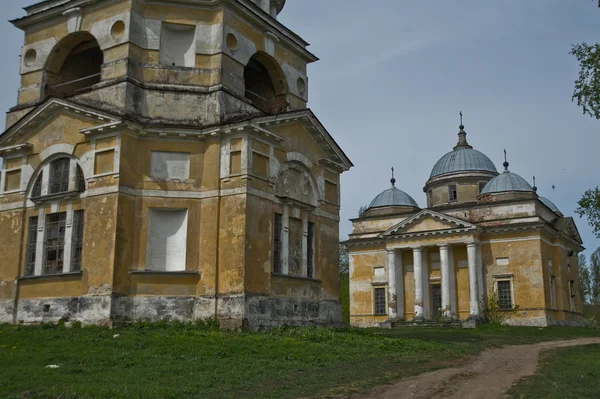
[296, 182]
[36, 181]
[74, 65]
[265, 84]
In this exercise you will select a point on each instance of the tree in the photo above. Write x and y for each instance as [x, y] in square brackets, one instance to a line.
[585, 282]
[595, 277]
[362, 212]
[344, 259]
[589, 207]
[587, 85]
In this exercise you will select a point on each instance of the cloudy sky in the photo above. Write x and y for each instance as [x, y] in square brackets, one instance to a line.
[394, 76]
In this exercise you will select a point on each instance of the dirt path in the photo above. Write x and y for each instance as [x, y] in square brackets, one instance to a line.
[488, 376]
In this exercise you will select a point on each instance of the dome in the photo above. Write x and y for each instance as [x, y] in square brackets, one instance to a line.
[393, 197]
[506, 182]
[463, 159]
[550, 205]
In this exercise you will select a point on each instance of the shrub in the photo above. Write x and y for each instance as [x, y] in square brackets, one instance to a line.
[494, 313]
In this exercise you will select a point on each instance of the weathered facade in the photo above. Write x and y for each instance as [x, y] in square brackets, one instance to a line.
[161, 164]
[482, 236]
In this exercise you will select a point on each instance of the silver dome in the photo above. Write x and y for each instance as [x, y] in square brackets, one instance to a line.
[462, 160]
[550, 205]
[506, 182]
[393, 197]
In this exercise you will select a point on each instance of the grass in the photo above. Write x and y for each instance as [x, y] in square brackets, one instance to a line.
[191, 361]
[564, 373]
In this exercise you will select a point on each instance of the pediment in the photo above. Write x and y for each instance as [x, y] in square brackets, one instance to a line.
[73, 117]
[568, 227]
[429, 222]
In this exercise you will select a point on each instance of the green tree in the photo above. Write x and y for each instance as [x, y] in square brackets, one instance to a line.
[595, 277]
[362, 212]
[585, 282]
[589, 207]
[344, 259]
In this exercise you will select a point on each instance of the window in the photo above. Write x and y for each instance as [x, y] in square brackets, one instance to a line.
[170, 165]
[77, 241]
[79, 180]
[380, 305]
[310, 269]
[505, 294]
[572, 294]
[452, 195]
[37, 186]
[59, 176]
[177, 45]
[31, 246]
[166, 242]
[54, 245]
[553, 291]
[481, 187]
[277, 244]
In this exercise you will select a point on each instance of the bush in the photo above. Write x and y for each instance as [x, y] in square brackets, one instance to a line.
[493, 312]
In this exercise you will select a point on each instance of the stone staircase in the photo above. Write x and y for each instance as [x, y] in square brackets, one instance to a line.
[428, 324]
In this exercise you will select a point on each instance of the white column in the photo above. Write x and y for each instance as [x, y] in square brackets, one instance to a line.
[481, 279]
[418, 274]
[426, 296]
[39, 249]
[72, 175]
[446, 285]
[285, 241]
[392, 293]
[473, 284]
[46, 179]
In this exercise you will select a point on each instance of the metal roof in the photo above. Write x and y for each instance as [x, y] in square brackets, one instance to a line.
[506, 182]
[393, 197]
[462, 160]
[550, 205]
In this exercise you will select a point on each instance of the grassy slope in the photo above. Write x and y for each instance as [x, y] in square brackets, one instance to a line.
[564, 373]
[185, 362]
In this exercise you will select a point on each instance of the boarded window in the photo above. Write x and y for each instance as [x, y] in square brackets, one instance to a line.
[310, 255]
[166, 243]
[295, 247]
[59, 176]
[331, 192]
[235, 166]
[13, 180]
[260, 165]
[553, 291]
[505, 295]
[177, 45]
[170, 165]
[572, 294]
[77, 241]
[379, 294]
[277, 244]
[32, 233]
[452, 194]
[104, 162]
[54, 245]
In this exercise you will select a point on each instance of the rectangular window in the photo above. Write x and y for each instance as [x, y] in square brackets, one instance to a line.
[177, 45]
[553, 291]
[505, 295]
[32, 232]
[295, 236]
[572, 294]
[12, 180]
[54, 245]
[277, 244]
[310, 268]
[59, 176]
[166, 243]
[379, 294]
[452, 195]
[77, 241]
[170, 165]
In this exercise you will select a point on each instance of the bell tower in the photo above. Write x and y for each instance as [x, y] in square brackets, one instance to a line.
[199, 63]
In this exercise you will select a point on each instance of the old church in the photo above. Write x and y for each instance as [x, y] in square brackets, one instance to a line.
[485, 241]
[161, 163]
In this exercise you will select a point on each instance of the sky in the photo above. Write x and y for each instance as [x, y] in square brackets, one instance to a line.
[393, 78]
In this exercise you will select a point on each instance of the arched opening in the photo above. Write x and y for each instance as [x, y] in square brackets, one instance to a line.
[74, 66]
[265, 84]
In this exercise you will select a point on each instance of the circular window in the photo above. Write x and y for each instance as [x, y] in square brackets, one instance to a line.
[232, 43]
[301, 86]
[117, 30]
[30, 57]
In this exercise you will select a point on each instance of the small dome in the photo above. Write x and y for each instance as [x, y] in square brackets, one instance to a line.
[550, 205]
[393, 197]
[462, 160]
[506, 182]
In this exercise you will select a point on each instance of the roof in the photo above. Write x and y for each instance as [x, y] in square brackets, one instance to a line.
[506, 182]
[550, 205]
[393, 197]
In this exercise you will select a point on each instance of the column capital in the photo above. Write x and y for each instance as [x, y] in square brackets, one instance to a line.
[391, 251]
[417, 249]
[472, 244]
[443, 246]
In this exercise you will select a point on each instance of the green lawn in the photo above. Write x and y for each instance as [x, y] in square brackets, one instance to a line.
[564, 373]
[180, 361]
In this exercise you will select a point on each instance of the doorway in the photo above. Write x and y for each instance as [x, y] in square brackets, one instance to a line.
[436, 301]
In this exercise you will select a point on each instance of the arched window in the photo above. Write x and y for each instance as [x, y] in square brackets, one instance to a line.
[74, 65]
[265, 84]
[59, 172]
[59, 176]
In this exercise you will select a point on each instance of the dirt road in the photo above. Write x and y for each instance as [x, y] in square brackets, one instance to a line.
[488, 376]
